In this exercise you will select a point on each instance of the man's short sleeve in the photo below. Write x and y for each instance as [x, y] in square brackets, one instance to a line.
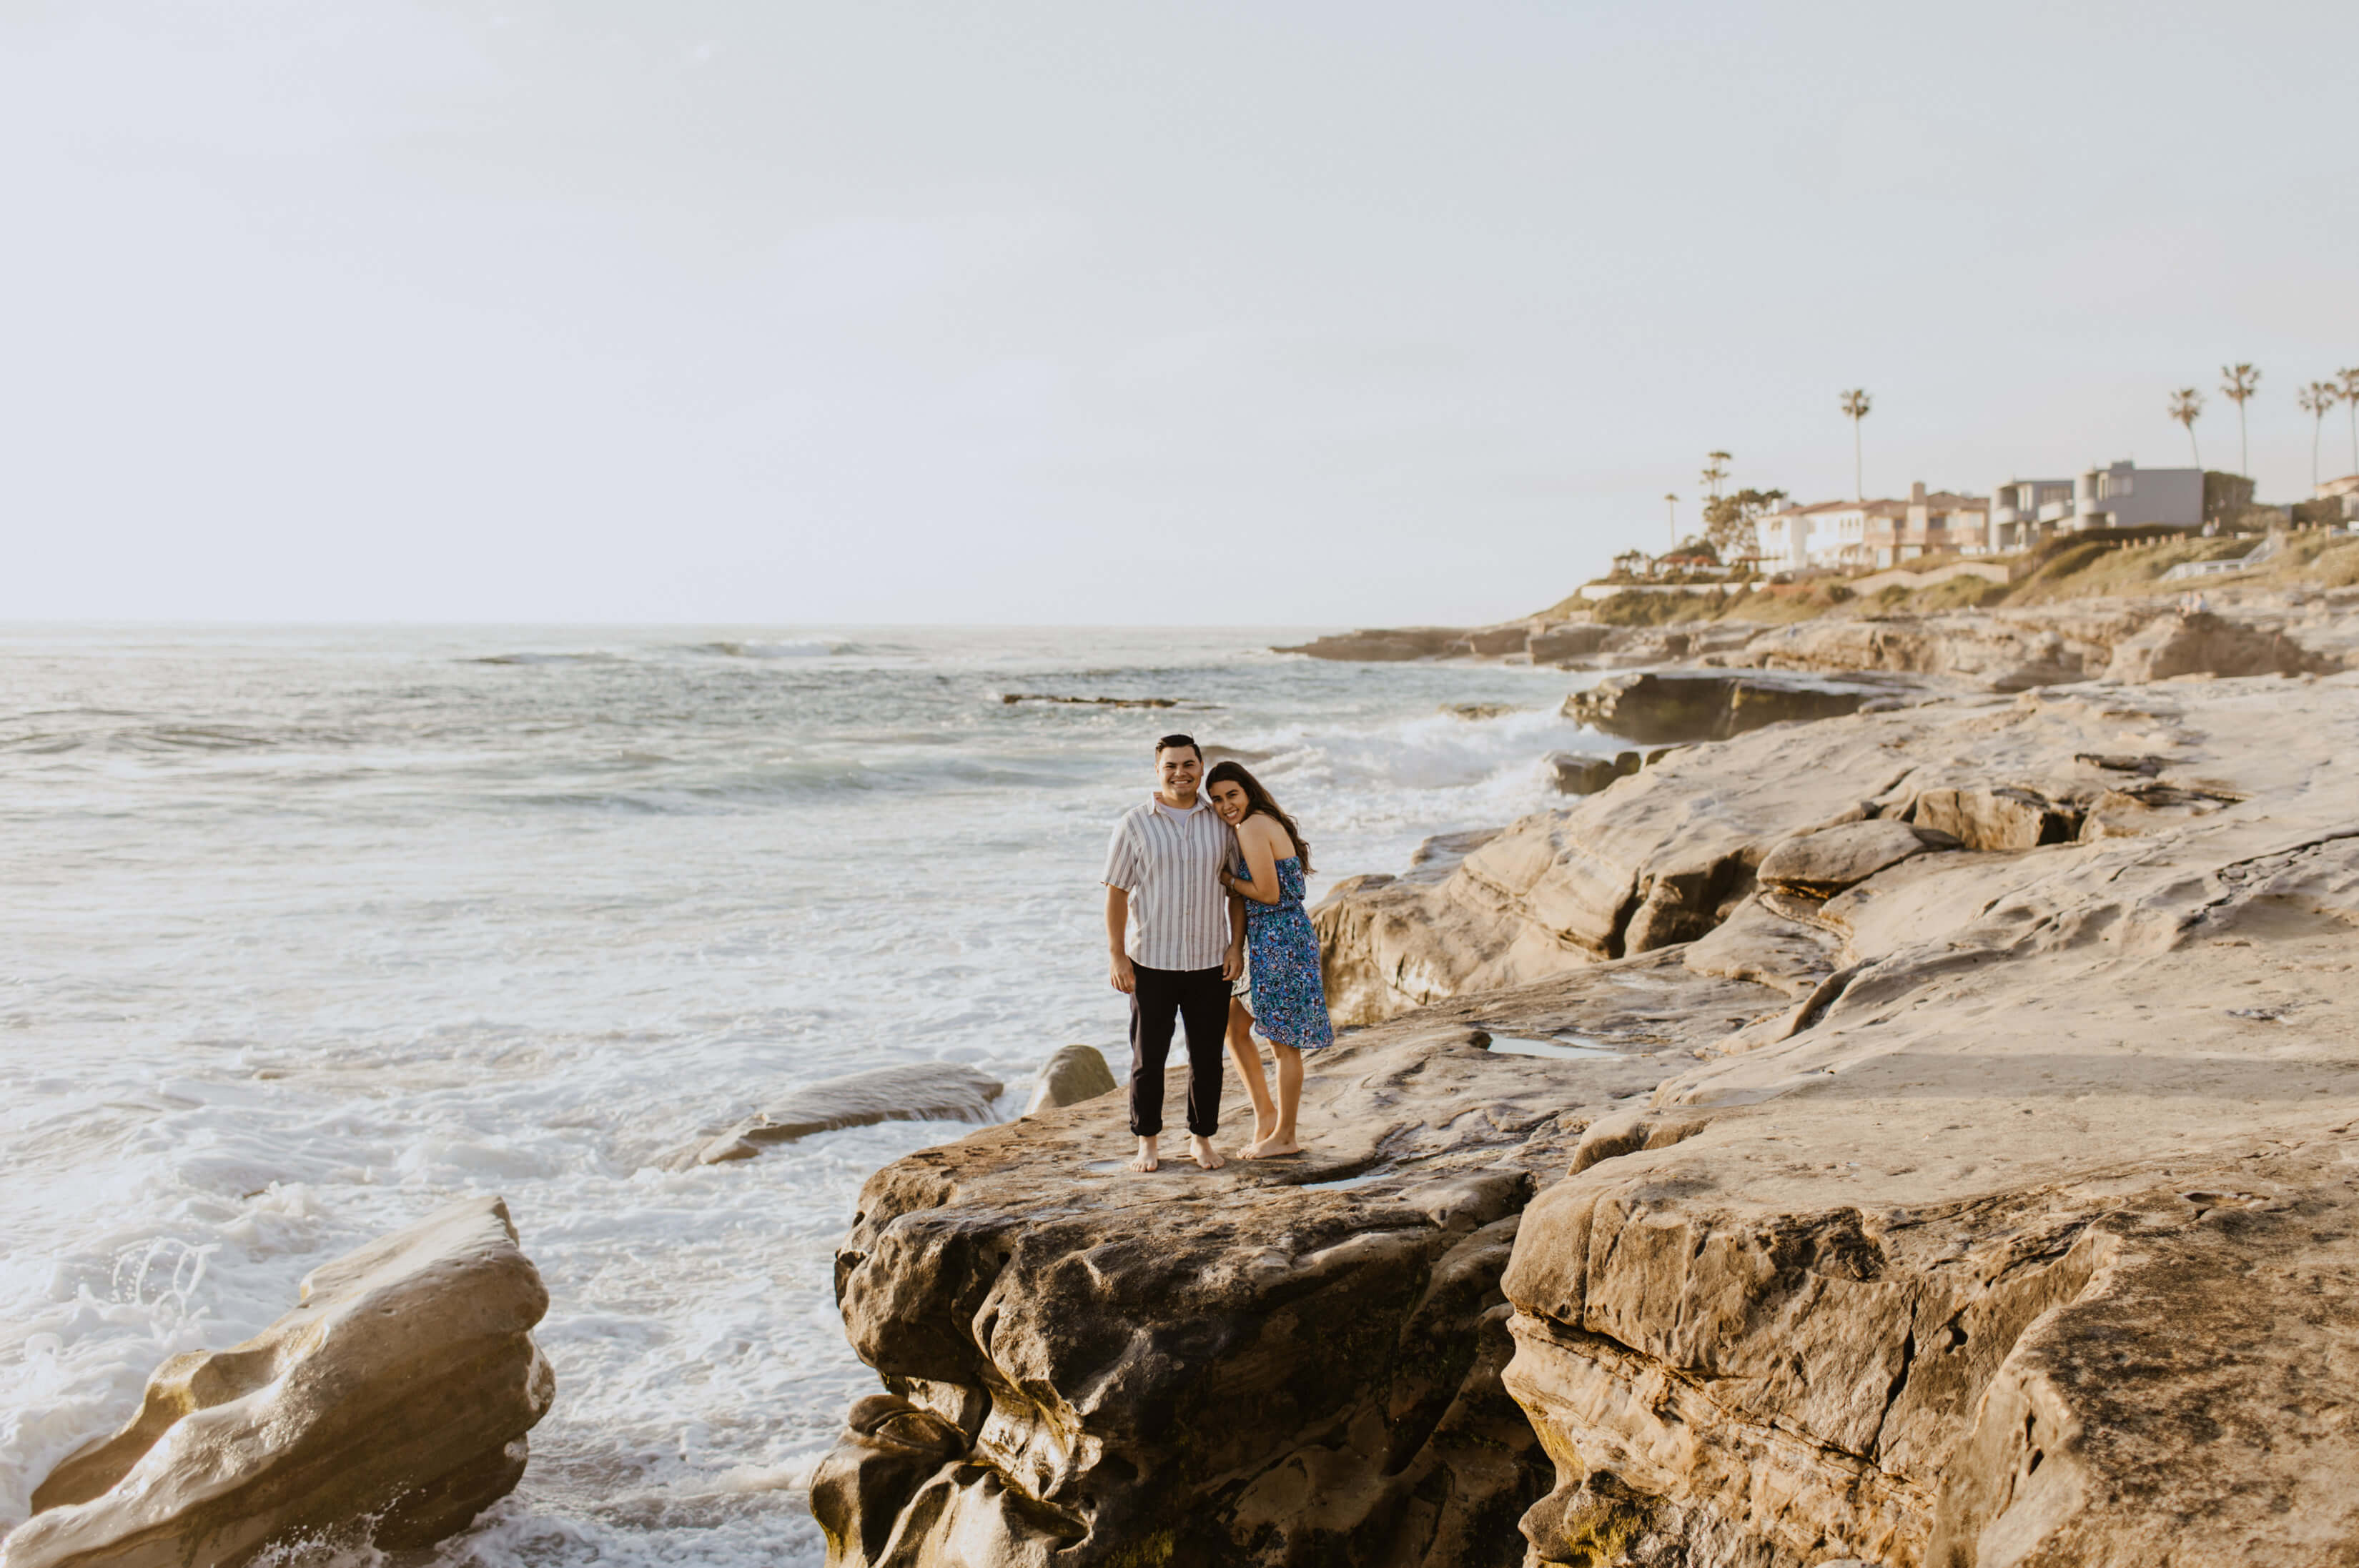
[1122, 867]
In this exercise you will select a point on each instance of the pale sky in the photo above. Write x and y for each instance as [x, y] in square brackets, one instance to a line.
[1201, 312]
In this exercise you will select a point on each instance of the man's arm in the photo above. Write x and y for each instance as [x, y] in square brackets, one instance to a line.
[1232, 963]
[1125, 978]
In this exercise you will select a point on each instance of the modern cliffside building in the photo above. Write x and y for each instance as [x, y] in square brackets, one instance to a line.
[2119, 495]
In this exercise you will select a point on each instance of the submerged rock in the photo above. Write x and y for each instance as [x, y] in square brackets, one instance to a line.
[390, 1407]
[920, 1091]
[1072, 1075]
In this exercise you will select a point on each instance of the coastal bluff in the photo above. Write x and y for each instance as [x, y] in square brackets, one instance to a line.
[1924, 1136]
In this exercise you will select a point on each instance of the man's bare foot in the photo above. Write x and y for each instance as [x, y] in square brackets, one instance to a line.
[1205, 1154]
[1145, 1159]
[1270, 1148]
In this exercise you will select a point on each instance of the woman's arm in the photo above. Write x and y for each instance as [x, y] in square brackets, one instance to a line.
[1258, 836]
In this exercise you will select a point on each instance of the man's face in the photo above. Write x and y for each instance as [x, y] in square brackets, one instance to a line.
[1177, 770]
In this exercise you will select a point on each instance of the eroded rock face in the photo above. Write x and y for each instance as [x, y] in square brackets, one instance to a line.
[1666, 855]
[918, 1091]
[1282, 1362]
[1673, 707]
[2014, 650]
[391, 1407]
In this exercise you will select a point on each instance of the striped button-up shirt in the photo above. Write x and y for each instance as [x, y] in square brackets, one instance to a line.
[1169, 863]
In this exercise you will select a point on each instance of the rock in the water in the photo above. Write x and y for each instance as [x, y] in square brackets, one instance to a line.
[390, 1406]
[1659, 706]
[1587, 775]
[1823, 863]
[1075, 1073]
[1382, 644]
[921, 1091]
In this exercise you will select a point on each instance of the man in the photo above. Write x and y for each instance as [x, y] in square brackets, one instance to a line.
[1176, 941]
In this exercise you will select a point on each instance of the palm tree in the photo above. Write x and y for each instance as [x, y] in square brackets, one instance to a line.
[1672, 502]
[2317, 400]
[1854, 407]
[2236, 384]
[2185, 404]
[1715, 470]
[2350, 380]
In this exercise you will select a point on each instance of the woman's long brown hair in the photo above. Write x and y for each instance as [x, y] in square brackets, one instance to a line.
[1258, 799]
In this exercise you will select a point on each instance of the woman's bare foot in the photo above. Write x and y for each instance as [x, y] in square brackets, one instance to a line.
[1205, 1154]
[1146, 1158]
[1270, 1148]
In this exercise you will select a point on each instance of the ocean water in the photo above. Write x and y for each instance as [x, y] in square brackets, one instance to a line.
[306, 933]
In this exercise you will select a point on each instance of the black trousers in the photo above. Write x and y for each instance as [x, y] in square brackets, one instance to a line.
[1201, 998]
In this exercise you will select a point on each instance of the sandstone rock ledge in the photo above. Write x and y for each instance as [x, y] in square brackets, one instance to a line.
[1287, 1362]
[1979, 1193]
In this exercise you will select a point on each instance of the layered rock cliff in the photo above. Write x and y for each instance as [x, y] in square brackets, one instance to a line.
[1954, 1166]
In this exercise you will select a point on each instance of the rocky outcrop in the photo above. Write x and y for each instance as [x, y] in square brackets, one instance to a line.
[919, 1091]
[2198, 643]
[1073, 1074]
[1673, 707]
[2014, 650]
[1939, 1200]
[1381, 644]
[1281, 1362]
[1667, 854]
[390, 1407]
[2015, 1242]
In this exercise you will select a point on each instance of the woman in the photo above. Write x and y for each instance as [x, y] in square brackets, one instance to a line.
[1288, 998]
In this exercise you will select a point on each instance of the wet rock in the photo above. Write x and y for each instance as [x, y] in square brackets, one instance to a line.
[1476, 710]
[1073, 1074]
[1823, 863]
[1381, 644]
[390, 1407]
[1012, 697]
[920, 1091]
[1659, 706]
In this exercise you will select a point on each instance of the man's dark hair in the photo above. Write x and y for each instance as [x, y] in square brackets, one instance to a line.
[1170, 741]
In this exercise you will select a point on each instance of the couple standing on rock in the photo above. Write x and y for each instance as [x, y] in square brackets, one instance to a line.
[1204, 920]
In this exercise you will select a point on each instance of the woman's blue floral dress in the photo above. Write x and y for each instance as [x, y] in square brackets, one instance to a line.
[1289, 997]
